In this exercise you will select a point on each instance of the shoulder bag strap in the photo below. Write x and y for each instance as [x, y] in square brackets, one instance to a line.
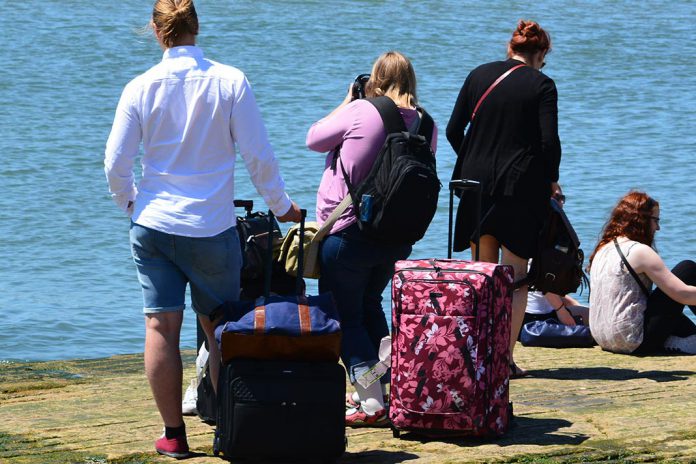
[493, 85]
[333, 217]
[630, 269]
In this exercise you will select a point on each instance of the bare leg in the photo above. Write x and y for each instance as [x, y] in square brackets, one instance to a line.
[208, 327]
[519, 297]
[582, 311]
[489, 249]
[163, 364]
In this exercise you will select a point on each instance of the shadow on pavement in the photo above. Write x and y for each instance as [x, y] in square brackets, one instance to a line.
[607, 373]
[524, 431]
[377, 456]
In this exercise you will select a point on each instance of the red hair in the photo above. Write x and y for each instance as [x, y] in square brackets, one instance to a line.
[529, 38]
[630, 218]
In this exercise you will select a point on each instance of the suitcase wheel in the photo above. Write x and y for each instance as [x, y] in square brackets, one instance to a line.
[396, 433]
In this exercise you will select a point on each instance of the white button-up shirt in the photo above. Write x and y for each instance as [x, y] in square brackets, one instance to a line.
[189, 112]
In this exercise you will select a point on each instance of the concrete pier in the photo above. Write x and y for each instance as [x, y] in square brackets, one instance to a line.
[580, 405]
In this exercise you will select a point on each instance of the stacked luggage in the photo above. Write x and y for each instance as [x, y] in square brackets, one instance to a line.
[253, 230]
[450, 344]
[281, 391]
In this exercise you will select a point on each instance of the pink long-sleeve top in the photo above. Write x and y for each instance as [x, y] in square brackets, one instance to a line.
[358, 126]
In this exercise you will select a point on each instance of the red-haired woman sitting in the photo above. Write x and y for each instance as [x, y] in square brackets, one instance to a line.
[627, 315]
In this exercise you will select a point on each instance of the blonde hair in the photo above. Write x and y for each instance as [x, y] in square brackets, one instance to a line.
[174, 19]
[393, 75]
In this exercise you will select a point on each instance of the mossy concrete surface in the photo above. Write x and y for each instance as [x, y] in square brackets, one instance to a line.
[580, 405]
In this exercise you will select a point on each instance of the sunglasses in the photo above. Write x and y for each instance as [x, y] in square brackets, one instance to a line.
[560, 198]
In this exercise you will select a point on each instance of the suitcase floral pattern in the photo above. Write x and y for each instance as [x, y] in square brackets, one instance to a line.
[450, 356]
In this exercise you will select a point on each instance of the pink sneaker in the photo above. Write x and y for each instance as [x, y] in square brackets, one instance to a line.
[356, 417]
[173, 447]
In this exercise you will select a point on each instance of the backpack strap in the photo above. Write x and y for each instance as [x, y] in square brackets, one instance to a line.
[393, 122]
[427, 125]
[389, 112]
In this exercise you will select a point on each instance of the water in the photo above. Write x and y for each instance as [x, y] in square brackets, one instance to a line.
[624, 73]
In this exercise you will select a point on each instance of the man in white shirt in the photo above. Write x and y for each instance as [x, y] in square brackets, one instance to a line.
[189, 113]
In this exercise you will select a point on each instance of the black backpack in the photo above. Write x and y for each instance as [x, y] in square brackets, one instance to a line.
[397, 200]
[557, 265]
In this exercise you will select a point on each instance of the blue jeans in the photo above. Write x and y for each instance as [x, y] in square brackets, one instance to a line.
[166, 263]
[356, 270]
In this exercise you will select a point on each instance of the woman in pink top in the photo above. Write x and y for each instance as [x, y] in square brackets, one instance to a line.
[353, 267]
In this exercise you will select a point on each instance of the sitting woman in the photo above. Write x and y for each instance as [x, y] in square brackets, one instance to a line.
[355, 268]
[627, 316]
[565, 309]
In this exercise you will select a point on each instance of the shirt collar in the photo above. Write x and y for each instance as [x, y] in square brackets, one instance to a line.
[183, 51]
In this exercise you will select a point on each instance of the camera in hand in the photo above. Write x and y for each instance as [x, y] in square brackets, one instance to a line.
[359, 86]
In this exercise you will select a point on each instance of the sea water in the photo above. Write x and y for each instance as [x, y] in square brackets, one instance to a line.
[625, 78]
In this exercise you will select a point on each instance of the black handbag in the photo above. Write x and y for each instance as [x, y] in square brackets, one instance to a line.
[253, 229]
[553, 334]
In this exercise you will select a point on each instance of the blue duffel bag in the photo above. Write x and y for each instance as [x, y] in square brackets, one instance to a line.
[553, 334]
[295, 328]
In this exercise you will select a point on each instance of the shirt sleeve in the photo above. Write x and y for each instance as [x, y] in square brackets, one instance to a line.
[328, 133]
[122, 147]
[249, 133]
[548, 122]
[459, 119]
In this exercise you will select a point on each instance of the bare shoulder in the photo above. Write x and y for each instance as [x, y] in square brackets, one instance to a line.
[644, 258]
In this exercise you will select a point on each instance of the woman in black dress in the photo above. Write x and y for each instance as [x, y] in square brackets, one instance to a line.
[512, 148]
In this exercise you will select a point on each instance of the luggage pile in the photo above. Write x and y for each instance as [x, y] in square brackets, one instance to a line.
[281, 390]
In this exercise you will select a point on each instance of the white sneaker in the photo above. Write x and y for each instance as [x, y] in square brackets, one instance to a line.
[686, 345]
[188, 406]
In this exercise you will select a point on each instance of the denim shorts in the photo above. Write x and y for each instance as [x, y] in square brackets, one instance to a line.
[167, 263]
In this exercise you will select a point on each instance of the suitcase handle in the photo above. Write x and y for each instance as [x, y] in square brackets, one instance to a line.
[248, 205]
[465, 184]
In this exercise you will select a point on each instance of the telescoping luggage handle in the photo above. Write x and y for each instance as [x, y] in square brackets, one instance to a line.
[269, 255]
[465, 184]
[248, 205]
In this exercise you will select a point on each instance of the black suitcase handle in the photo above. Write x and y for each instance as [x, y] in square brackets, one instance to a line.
[464, 184]
[248, 205]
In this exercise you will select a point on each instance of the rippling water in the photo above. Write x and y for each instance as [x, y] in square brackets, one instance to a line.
[624, 73]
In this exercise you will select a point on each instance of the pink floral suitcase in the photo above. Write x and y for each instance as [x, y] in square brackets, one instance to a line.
[450, 355]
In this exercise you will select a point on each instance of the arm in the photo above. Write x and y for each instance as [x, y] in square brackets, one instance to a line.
[548, 125]
[249, 132]
[645, 260]
[121, 149]
[459, 119]
[559, 305]
[327, 133]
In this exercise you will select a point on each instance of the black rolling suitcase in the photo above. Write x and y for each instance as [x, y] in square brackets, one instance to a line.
[281, 410]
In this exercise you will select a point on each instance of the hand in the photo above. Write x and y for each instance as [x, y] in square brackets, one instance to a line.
[349, 95]
[557, 193]
[292, 215]
[565, 317]
[556, 189]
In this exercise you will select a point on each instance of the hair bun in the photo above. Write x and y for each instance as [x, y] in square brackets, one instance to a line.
[529, 37]
[528, 29]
